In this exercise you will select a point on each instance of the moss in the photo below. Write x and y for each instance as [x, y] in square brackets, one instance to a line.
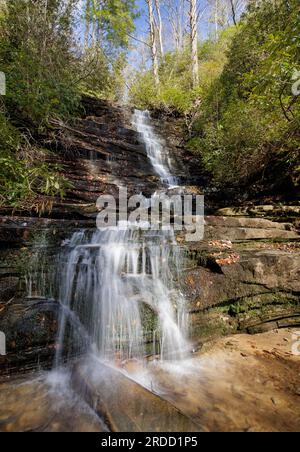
[236, 317]
[211, 325]
[149, 322]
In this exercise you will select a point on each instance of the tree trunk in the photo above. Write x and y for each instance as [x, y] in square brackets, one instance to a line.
[95, 22]
[194, 42]
[87, 24]
[233, 12]
[160, 27]
[153, 42]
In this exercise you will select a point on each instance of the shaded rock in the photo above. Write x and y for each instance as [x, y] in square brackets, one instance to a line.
[248, 277]
[30, 327]
[240, 234]
[257, 292]
[244, 222]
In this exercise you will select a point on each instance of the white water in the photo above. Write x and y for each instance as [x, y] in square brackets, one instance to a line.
[119, 287]
[156, 148]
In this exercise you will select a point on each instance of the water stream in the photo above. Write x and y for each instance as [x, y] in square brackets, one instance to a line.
[156, 148]
[119, 287]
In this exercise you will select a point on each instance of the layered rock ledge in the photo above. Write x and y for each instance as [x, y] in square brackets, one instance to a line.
[243, 277]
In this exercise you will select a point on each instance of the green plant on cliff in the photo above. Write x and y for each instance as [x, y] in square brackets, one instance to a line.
[46, 73]
[249, 124]
[35, 54]
[22, 179]
[175, 94]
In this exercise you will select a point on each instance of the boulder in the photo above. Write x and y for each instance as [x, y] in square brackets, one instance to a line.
[254, 273]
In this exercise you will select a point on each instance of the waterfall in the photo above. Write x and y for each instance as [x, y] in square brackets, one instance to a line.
[156, 148]
[119, 287]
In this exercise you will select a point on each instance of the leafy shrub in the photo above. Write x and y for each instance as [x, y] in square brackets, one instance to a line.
[175, 93]
[249, 122]
[24, 180]
[35, 54]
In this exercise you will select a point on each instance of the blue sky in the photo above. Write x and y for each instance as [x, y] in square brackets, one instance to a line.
[142, 28]
[141, 22]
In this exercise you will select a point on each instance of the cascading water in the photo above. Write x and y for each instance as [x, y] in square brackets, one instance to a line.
[119, 288]
[156, 148]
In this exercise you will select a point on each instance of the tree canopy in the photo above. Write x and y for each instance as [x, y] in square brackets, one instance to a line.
[230, 69]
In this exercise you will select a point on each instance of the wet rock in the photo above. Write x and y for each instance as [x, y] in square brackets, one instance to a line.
[245, 277]
[30, 327]
[100, 152]
[125, 405]
[32, 404]
[227, 393]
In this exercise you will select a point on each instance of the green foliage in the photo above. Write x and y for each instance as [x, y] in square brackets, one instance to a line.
[99, 77]
[35, 55]
[46, 75]
[115, 20]
[24, 176]
[143, 93]
[9, 138]
[21, 182]
[175, 93]
[108, 27]
[232, 147]
[250, 117]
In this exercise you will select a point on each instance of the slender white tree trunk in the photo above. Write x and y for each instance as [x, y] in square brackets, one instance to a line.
[217, 19]
[181, 23]
[160, 27]
[153, 42]
[194, 42]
